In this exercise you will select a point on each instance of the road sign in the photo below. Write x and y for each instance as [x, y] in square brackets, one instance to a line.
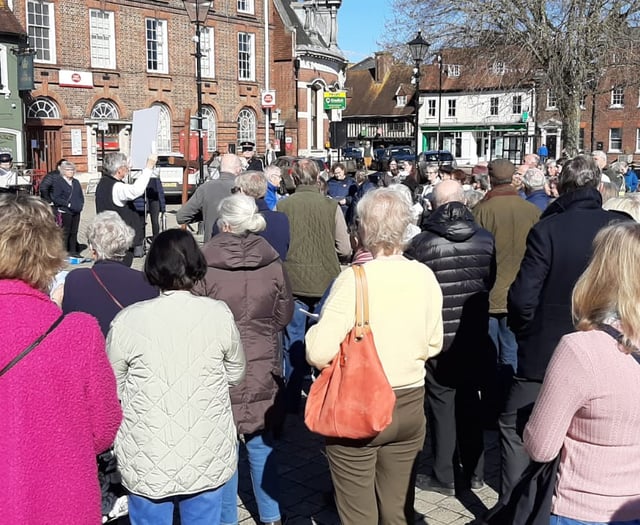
[268, 98]
[335, 100]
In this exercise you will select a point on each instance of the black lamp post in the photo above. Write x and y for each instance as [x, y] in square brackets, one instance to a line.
[418, 47]
[197, 11]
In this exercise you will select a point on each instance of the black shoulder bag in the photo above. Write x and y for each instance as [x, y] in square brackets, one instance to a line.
[26, 351]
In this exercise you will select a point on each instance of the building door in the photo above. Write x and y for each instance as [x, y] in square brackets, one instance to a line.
[44, 147]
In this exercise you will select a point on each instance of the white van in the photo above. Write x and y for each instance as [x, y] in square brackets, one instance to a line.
[171, 168]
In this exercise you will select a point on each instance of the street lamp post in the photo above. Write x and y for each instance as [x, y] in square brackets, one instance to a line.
[418, 47]
[197, 11]
[439, 105]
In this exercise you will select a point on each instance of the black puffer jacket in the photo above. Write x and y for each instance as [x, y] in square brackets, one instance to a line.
[462, 256]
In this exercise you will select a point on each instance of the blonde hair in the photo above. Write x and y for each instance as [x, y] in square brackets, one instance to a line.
[240, 214]
[252, 183]
[384, 216]
[609, 287]
[31, 247]
[627, 205]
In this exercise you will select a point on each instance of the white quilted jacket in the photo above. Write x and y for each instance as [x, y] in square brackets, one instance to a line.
[175, 357]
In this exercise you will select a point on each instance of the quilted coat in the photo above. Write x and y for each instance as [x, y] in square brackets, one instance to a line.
[246, 273]
[59, 410]
[174, 358]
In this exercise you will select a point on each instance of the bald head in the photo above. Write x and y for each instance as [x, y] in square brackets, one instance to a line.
[230, 163]
[448, 191]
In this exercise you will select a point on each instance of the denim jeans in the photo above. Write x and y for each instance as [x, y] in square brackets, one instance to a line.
[295, 362]
[264, 479]
[505, 342]
[198, 509]
[561, 520]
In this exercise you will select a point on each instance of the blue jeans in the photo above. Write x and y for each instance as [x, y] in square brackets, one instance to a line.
[505, 342]
[198, 509]
[561, 520]
[264, 479]
[295, 362]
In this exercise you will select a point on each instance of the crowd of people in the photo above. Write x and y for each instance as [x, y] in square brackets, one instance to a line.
[502, 297]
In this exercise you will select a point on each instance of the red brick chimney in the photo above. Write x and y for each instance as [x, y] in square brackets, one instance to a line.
[383, 61]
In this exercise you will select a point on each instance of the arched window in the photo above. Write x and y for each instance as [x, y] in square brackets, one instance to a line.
[163, 138]
[105, 110]
[246, 126]
[210, 125]
[43, 108]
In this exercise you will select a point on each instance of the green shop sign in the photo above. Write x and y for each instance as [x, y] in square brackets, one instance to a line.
[335, 100]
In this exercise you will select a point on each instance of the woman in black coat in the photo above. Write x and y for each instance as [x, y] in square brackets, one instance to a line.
[68, 201]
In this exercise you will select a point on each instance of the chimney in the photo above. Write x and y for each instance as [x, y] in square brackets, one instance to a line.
[383, 62]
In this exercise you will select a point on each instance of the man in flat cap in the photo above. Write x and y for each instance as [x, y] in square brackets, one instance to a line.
[249, 154]
[509, 218]
[7, 175]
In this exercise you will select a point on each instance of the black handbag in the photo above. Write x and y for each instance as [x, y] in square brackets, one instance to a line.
[530, 500]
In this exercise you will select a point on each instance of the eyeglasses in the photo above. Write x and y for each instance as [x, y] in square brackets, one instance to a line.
[235, 189]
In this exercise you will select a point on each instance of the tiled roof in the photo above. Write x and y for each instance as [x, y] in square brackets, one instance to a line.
[9, 24]
[366, 97]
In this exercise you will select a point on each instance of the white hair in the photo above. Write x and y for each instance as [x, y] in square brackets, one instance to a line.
[240, 214]
[109, 236]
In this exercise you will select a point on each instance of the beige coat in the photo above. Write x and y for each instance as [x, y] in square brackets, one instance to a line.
[174, 358]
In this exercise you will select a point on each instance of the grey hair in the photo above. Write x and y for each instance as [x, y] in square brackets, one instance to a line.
[627, 205]
[240, 214]
[580, 171]
[109, 236]
[306, 173]
[66, 165]
[113, 162]
[384, 215]
[252, 183]
[272, 169]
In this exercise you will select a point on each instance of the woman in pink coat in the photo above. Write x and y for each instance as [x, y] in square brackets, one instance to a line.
[59, 402]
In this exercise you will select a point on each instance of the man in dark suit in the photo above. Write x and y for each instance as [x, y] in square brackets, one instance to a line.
[249, 153]
[539, 301]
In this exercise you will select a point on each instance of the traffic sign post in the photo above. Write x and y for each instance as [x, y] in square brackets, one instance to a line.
[335, 100]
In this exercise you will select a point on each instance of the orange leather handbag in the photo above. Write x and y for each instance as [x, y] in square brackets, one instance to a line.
[352, 397]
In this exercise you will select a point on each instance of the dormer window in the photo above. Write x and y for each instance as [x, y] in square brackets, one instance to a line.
[401, 101]
[498, 68]
[453, 70]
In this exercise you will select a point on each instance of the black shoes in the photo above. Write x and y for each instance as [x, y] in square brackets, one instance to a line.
[432, 484]
[477, 483]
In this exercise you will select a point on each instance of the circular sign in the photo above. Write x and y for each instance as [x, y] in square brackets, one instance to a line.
[76, 77]
[268, 98]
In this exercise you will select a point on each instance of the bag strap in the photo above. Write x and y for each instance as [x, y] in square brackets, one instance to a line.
[362, 301]
[620, 338]
[118, 303]
[24, 353]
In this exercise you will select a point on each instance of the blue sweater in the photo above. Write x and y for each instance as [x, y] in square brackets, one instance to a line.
[67, 198]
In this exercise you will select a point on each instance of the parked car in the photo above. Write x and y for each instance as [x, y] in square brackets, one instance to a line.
[171, 168]
[399, 153]
[437, 158]
[286, 165]
[352, 152]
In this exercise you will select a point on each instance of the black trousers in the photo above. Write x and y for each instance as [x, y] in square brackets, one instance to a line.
[70, 225]
[455, 425]
[513, 457]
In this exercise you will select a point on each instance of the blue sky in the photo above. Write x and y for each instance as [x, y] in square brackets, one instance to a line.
[360, 24]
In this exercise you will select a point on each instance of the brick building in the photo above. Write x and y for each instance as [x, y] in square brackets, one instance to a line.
[99, 60]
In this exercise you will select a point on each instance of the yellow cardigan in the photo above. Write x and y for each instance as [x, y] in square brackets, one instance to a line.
[405, 311]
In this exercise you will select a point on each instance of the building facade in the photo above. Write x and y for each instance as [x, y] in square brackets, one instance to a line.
[98, 61]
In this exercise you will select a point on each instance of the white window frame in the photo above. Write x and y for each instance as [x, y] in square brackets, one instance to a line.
[516, 104]
[209, 116]
[251, 62]
[494, 106]
[432, 107]
[51, 32]
[247, 123]
[207, 48]
[246, 6]
[611, 148]
[617, 97]
[99, 36]
[451, 107]
[401, 101]
[43, 108]
[637, 140]
[163, 138]
[552, 100]
[4, 71]
[161, 46]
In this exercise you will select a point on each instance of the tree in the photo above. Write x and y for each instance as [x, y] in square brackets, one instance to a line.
[571, 47]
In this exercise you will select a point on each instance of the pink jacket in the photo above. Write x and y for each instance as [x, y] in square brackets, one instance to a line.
[59, 410]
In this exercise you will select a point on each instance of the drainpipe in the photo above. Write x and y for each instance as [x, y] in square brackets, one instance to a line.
[267, 66]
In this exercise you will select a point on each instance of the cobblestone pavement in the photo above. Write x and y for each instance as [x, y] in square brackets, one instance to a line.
[306, 490]
[305, 483]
